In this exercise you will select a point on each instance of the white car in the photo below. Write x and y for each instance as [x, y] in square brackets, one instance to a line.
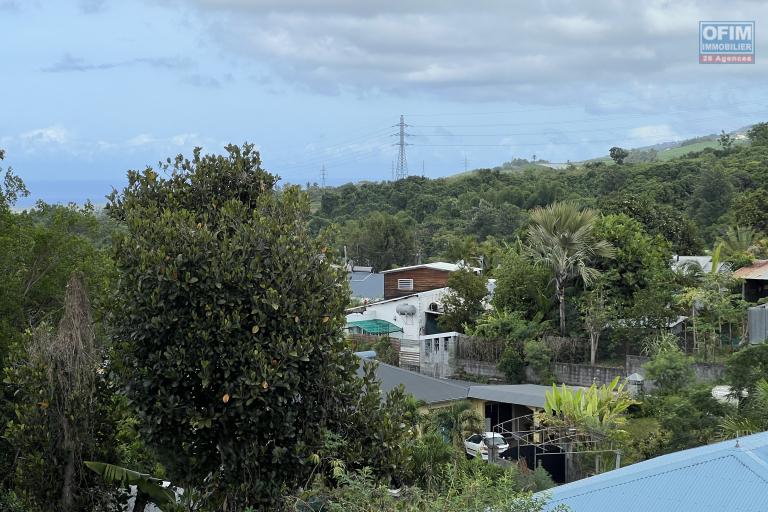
[477, 444]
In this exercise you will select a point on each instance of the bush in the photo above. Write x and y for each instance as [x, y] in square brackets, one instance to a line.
[512, 364]
[671, 370]
[538, 355]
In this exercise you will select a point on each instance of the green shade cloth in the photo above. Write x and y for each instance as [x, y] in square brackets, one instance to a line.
[374, 326]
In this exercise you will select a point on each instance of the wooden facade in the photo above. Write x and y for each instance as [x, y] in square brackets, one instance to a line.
[423, 279]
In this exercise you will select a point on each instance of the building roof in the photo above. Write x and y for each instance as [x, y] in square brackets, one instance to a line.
[426, 293]
[758, 271]
[729, 476]
[366, 285]
[705, 262]
[440, 265]
[428, 389]
[530, 395]
[375, 326]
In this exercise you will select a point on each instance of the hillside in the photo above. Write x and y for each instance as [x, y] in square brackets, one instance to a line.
[689, 199]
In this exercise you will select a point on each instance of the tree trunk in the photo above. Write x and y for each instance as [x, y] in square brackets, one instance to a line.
[560, 291]
[141, 502]
[67, 499]
[593, 341]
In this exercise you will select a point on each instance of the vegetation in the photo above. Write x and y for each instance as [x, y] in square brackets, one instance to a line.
[194, 332]
[561, 239]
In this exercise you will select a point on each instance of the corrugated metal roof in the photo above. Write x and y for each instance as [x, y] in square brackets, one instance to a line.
[440, 265]
[722, 477]
[758, 271]
[422, 387]
[531, 395]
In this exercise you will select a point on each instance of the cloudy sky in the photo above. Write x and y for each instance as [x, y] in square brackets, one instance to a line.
[92, 88]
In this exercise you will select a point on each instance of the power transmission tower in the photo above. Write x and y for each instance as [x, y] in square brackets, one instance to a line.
[466, 164]
[323, 175]
[401, 171]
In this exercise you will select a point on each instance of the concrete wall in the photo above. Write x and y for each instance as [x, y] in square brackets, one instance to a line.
[705, 372]
[584, 374]
[484, 368]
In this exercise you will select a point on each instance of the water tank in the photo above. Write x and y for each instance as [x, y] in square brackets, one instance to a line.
[405, 309]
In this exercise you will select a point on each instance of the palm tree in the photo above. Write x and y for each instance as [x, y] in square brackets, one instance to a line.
[739, 240]
[561, 237]
[457, 421]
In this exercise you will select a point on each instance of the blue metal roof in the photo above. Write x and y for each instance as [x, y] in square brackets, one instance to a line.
[721, 477]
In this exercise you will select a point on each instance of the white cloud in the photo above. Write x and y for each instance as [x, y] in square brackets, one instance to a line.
[49, 135]
[495, 50]
[651, 134]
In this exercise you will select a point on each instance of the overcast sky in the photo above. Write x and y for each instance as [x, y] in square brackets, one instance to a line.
[92, 88]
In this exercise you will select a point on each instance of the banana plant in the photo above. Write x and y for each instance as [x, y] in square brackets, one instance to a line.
[148, 488]
[596, 408]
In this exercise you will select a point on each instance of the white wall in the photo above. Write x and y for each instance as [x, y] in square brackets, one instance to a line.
[412, 325]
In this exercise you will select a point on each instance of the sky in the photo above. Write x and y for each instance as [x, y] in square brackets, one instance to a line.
[93, 88]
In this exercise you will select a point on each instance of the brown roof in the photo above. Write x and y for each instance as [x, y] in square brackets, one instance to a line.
[758, 271]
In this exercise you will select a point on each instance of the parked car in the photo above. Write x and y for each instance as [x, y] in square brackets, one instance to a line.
[477, 444]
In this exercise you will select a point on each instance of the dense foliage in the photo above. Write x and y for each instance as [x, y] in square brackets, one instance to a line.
[228, 338]
[689, 201]
[223, 368]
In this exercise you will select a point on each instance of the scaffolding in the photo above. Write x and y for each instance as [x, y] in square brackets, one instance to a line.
[534, 442]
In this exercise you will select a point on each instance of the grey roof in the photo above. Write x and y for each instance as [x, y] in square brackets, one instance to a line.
[432, 390]
[422, 387]
[531, 395]
[366, 285]
[705, 262]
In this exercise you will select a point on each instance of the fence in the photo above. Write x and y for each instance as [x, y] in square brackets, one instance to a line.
[758, 324]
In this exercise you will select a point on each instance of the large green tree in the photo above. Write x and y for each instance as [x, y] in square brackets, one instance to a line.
[381, 240]
[228, 328]
[562, 239]
[464, 301]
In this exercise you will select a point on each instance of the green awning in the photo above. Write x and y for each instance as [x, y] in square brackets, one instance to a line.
[374, 327]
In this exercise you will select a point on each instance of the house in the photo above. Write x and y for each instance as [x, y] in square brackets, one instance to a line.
[365, 283]
[404, 281]
[730, 476]
[496, 403]
[505, 409]
[414, 314]
[755, 286]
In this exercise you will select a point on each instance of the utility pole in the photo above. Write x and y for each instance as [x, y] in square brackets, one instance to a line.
[401, 171]
[466, 164]
[323, 175]
[422, 168]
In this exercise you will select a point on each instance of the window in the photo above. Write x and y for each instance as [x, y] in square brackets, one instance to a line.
[427, 347]
[405, 284]
[437, 344]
